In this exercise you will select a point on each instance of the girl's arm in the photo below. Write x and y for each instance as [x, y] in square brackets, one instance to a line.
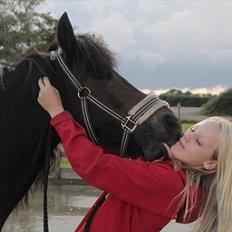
[147, 185]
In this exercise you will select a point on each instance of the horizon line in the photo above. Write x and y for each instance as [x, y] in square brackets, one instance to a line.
[216, 90]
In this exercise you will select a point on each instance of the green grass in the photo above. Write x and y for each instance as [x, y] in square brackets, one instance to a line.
[187, 125]
[65, 163]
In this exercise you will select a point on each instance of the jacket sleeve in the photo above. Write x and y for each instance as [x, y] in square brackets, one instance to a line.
[148, 185]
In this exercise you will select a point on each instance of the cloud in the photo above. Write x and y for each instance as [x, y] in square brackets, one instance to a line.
[150, 58]
[177, 41]
[222, 56]
[216, 90]
[180, 30]
[117, 31]
[193, 33]
[157, 32]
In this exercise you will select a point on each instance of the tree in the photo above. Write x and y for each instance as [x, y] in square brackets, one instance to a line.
[22, 28]
[174, 92]
[219, 105]
[176, 96]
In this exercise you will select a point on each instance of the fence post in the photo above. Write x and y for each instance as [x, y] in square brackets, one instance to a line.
[59, 153]
[178, 108]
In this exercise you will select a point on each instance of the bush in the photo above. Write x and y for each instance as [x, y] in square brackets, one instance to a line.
[176, 96]
[220, 105]
[189, 101]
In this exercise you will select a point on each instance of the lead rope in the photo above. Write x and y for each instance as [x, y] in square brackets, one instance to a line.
[45, 180]
[92, 214]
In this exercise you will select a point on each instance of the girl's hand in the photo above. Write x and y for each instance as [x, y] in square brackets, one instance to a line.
[49, 97]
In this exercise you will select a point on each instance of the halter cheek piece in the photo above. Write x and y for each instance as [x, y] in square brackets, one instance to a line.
[136, 115]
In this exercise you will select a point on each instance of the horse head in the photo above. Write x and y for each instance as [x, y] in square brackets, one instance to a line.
[93, 64]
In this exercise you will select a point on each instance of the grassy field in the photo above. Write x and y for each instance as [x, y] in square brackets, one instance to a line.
[187, 125]
[65, 164]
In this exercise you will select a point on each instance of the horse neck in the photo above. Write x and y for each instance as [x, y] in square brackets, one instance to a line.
[121, 88]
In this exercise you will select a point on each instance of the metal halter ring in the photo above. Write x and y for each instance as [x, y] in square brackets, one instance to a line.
[84, 92]
[129, 124]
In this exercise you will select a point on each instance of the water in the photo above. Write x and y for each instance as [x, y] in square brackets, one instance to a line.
[66, 206]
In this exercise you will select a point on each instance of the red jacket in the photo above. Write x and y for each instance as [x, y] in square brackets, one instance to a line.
[140, 193]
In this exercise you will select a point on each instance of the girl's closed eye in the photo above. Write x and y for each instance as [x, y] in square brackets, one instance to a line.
[193, 129]
[198, 142]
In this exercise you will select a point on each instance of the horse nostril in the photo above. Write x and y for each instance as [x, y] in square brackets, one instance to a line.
[171, 122]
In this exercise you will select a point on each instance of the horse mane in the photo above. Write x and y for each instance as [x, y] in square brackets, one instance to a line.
[4, 68]
[93, 57]
[36, 64]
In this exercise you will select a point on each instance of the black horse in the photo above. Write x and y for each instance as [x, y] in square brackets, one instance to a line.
[24, 125]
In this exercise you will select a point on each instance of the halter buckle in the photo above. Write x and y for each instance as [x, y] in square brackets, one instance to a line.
[84, 92]
[129, 124]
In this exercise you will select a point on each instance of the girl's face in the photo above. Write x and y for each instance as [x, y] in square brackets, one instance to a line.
[196, 147]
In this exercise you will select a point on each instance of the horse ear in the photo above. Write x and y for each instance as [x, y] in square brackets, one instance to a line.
[65, 35]
[53, 46]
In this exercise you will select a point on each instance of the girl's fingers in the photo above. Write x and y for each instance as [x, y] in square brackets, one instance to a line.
[46, 81]
[43, 82]
[40, 83]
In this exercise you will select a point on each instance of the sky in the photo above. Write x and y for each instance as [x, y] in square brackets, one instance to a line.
[160, 44]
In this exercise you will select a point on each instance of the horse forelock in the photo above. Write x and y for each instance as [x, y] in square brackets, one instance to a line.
[93, 58]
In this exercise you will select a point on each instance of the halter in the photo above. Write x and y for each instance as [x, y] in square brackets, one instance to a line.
[136, 115]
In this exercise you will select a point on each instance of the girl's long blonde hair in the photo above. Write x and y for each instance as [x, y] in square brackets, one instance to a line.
[216, 212]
